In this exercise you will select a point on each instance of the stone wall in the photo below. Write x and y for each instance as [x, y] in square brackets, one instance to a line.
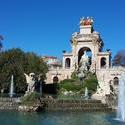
[9, 103]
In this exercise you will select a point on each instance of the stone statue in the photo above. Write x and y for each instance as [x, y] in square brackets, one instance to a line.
[99, 90]
[84, 62]
[87, 21]
[30, 79]
[100, 93]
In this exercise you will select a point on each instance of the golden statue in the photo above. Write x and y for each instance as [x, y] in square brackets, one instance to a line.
[74, 41]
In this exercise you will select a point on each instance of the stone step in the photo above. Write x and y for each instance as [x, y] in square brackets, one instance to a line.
[80, 105]
[81, 101]
[10, 103]
[55, 103]
[77, 105]
[78, 109]
[7, 99]
[91, 104]
[72, 101]
[9, 108]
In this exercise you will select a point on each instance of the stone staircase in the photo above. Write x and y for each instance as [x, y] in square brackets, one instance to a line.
[9, 103]
[76, 105]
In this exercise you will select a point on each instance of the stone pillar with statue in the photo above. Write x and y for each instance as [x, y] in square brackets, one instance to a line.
[30, 79]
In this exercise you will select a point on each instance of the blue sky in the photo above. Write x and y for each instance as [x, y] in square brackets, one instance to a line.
[45, 26]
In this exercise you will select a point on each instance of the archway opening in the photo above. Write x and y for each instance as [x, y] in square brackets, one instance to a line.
[55, 79]
[67, 63]
[116, 81]
[88, 52]
[103, 62]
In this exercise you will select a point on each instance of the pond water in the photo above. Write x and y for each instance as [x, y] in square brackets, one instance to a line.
[58, 118]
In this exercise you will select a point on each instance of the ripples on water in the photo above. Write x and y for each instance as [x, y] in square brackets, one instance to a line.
[58, 118]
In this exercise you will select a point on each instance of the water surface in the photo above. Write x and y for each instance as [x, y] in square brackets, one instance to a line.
[58, 118]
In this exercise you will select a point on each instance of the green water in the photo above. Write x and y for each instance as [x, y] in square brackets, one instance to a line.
[58, 118]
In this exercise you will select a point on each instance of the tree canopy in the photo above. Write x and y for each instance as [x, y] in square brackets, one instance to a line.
[119, 58]
[16, 62]
[1, 39]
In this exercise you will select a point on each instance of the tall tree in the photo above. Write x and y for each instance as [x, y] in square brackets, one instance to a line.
[119, 58]
[17, 62]
[1, 39]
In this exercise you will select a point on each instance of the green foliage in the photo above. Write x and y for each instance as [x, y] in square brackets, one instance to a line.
[30, 98]
[17, 62]
[71, 85]
[76, 85]
[91, 82]
[1, 39]
[74, 75]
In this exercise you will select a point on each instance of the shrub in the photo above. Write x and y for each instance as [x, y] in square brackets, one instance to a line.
[71, 85]
[30, 98]
[74, 75]
[91, 82]
[76, 85]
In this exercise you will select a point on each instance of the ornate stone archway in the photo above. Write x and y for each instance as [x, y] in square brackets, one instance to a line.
[81, 52]
[55, 79]
[116, 81]
[67, 63]
[103, 62]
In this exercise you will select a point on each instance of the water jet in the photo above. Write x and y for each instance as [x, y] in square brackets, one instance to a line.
[121, 100]
[11, 93]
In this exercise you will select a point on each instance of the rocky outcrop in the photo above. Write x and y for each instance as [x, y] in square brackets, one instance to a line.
[112, 101]
[26, 108]
[37, 106]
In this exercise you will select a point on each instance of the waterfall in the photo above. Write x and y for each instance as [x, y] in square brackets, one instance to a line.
[121, 100]
[11, 93]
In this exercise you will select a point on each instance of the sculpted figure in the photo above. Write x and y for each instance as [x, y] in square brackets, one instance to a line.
[87, 21]
[30, 79]
[84, 62]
